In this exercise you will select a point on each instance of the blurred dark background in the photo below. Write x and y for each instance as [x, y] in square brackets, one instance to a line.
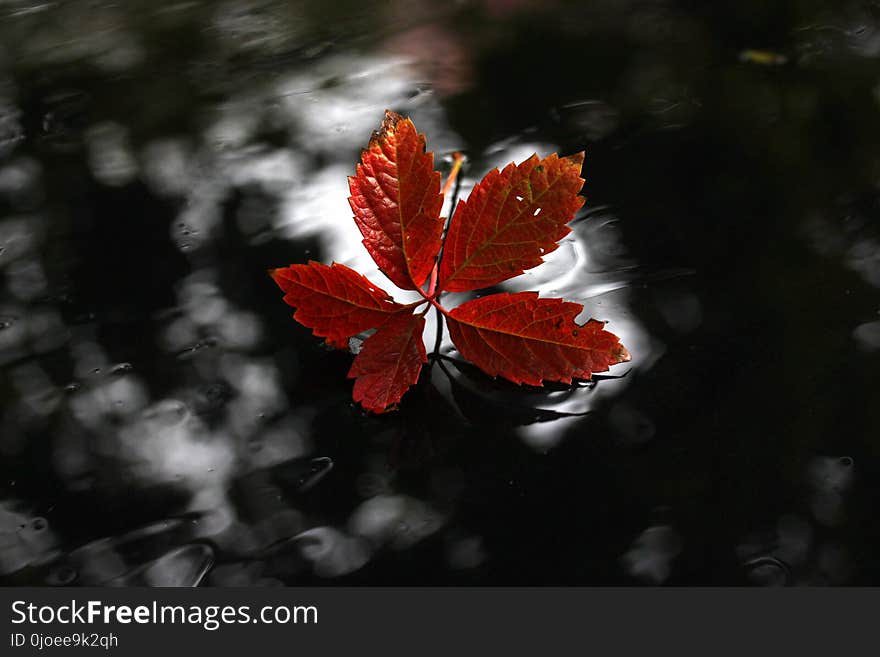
[163, 420]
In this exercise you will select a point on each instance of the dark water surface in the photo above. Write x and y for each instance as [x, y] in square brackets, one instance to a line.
[164, 421]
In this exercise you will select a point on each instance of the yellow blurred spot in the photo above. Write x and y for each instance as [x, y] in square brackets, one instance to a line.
[763, 57]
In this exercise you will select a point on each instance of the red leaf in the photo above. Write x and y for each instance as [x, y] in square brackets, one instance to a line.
[335, 302]
[530, 340]
[396, 201]
[511, 218]
[389, 363]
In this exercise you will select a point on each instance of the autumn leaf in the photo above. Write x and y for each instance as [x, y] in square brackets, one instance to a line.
[510, 220]
[530, 340]
[334, 301]
[395, 196]
[389, 363]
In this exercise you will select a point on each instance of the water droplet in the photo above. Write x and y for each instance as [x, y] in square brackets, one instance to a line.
[39, 524]
[72, 387]
[168, 411]
[121, 368]
[197, 347]
[317, 470]
[768, 571]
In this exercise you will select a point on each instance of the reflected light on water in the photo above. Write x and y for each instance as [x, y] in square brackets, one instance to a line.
[830, 478]
[166, 165]
[398, 520]
[867, 336]
[110, 156]
[19, 236]
[332, 552]
[25, 540]
[652, 554]
[11, 132]
[20, 184]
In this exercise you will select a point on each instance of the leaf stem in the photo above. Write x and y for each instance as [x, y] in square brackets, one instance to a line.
[433, 293]
[457, 160]
[432, 281]
[439, 339]
[432, 301]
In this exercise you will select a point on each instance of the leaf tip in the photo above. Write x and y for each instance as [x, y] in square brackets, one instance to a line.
[275, 274]
[389, 126]
[576, 164]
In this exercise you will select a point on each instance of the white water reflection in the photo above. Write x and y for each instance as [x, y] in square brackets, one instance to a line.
[25, 540]
[10, 125]
[19, 235]
[398, 520]
[830, 478]
[653, 553]
[332, 552]
[867, 336]
[850, 237]
[167, 166]
[20, 183]
[336, 102]
[110, 156]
